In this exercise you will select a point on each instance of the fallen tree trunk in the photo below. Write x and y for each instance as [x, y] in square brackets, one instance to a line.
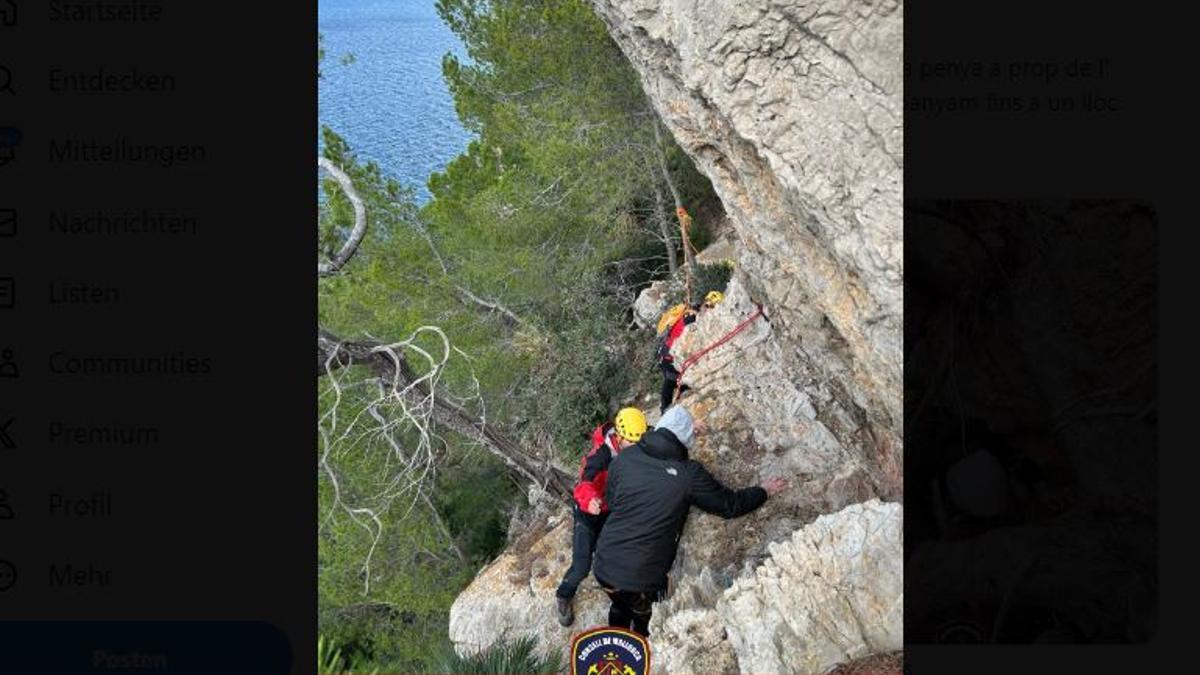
[334, 353]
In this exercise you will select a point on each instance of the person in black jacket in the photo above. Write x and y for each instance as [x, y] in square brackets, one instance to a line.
[591, 509]
[651, 487]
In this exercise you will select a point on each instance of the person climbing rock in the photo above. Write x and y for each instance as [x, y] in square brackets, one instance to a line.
[591, 508]
[650, 491]
[665, 360]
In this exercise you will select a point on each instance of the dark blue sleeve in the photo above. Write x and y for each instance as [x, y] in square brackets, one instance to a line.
[596, 462]
[708, 494]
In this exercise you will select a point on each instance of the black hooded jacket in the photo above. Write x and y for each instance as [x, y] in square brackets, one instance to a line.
[651, 486]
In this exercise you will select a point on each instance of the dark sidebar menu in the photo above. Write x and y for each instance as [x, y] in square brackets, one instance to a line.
[157, 500]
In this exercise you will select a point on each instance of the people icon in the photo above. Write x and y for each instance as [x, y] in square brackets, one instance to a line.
[6, 512]
[8, 367]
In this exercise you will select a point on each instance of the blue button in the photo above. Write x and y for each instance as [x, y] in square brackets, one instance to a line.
[167, 647]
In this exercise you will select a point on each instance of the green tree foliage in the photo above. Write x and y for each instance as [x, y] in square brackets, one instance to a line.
[392, 286]
[550, 199]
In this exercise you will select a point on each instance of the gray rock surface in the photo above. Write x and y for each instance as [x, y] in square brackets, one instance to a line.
[833, 593]
[794, 111]
[740, 584]
[650, 304]
[514, 595]
[830, 593]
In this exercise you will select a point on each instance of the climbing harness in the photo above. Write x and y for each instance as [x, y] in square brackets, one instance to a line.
[691, 360]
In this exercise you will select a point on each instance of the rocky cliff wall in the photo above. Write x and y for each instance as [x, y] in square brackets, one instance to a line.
[810, 580]
[794, 111]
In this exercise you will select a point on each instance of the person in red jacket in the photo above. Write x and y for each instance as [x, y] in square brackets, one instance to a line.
[591, 507]
[666, 362]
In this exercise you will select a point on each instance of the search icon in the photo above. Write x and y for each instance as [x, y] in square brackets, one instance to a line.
[6, 80]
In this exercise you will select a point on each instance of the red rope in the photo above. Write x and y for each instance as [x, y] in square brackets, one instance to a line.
[691, 360]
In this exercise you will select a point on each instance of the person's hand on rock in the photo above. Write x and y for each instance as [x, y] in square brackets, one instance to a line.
[774, 485]
[593, 506]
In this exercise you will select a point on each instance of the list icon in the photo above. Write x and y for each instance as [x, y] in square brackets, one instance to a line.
[8, 366]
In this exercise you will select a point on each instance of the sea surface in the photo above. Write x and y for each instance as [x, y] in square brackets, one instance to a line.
[391, 104]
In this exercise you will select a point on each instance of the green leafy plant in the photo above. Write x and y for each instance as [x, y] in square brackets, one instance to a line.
[331, 660]
[329, 657]
[714, 277]
[503, 657]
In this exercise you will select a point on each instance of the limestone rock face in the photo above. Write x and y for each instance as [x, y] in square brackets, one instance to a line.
[832, 593]
[793, 109]
[514, 595]
[650, 304]
[787, 588]
[810, 580]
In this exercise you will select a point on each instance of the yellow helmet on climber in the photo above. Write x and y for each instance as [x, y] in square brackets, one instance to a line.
[631, 424]
[713, 297]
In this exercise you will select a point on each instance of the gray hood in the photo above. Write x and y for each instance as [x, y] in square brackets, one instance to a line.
[678, 421]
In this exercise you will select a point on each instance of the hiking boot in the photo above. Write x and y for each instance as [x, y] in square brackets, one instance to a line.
[566, 613]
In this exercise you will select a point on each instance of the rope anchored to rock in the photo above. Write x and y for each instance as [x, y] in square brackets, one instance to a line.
[691, 360]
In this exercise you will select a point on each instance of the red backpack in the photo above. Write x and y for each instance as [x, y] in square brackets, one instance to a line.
[599, 434]
[587, 489]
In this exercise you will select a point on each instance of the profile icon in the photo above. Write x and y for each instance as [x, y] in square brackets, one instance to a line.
[8, 367]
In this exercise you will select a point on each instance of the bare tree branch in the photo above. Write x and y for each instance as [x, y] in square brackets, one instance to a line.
[494, 306]
[665, 230]
[393, 368]
[689, 263]
[662, 165]
[360, 220]
[464, 292]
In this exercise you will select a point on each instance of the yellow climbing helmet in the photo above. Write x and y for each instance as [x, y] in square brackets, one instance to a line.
[713, 297]
[631, 424]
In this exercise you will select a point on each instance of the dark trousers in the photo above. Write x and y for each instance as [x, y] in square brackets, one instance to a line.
[670, 377]
[631, 610]
[583, 544]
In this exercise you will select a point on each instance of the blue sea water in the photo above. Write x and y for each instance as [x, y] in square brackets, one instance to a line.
[391, 105]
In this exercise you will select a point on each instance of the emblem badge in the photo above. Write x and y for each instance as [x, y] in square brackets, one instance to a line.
[610, 651]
